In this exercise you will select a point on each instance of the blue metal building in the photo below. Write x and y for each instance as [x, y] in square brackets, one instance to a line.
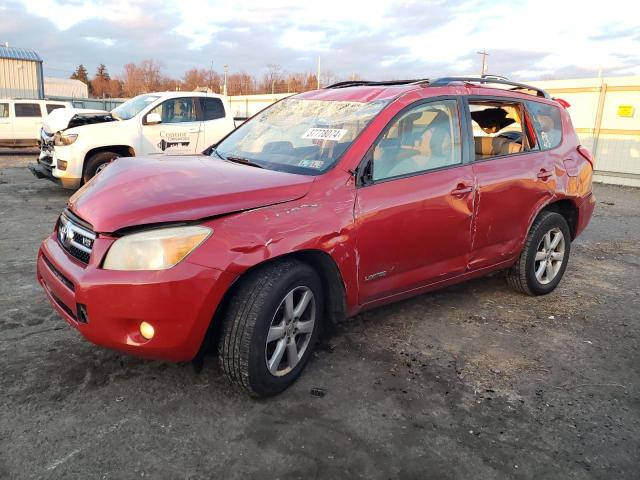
[20, 73]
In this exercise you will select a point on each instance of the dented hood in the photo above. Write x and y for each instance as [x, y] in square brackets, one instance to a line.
[146, 190]
[63, 118]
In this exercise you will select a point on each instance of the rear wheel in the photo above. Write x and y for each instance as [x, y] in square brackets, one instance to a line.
[271, 327]
[96, 163]
[544, 257]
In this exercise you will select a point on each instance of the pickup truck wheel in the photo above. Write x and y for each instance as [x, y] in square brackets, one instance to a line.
[544, 257]
[96, 163]
[271, 327]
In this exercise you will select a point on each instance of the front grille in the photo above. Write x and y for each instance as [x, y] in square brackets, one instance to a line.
[58, 273]
[46, 138]
[59, 302]
[75, 236]
[62, 305]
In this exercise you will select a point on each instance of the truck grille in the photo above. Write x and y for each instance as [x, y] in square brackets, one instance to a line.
[75, 236]
[46, 148]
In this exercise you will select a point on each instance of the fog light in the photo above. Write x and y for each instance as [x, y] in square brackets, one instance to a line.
[62, 164]
[147, 330]
[82, 313]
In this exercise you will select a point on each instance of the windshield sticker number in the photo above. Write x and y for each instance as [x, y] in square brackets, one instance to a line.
[317, 164]
[333, 134]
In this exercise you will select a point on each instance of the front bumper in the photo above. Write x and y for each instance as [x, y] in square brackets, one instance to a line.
[44, 166]
[178, 302]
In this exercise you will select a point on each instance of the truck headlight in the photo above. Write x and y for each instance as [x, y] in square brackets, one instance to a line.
[155, 249]
[60, 140]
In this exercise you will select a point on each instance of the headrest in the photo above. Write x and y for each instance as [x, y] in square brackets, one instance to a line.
[490, 146]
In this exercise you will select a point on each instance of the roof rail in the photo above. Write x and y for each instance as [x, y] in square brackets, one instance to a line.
[489, 79]
[370, 83]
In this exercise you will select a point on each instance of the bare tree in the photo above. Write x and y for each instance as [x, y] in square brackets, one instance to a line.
[147, 76]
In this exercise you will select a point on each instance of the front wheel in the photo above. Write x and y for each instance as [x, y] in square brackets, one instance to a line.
[544, 257]
[96, 163]
[271, 327]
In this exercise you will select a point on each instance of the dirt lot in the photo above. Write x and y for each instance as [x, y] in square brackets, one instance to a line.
[473, 381]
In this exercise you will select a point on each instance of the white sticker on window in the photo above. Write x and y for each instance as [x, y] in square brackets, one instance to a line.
[317, 164]
[334, 134]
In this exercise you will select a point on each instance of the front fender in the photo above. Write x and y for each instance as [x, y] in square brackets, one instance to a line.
[325, 223]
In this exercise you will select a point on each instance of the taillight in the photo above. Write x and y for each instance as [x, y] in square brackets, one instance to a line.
[586, 154]
[562, 102]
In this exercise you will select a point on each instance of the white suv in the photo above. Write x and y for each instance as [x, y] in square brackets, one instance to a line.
[21, 120]
[76, 144]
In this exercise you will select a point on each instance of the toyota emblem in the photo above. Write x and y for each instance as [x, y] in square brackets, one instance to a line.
[65, 234]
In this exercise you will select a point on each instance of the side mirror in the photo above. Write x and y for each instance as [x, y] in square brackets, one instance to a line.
[153, 119]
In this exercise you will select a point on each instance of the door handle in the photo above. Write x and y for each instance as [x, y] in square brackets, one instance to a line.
[461, 190]
[194, 130]
[544, 174]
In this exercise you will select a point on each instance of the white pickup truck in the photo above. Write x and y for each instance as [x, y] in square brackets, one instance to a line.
[76, 144]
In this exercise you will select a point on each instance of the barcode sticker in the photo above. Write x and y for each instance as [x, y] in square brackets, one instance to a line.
[334, 134]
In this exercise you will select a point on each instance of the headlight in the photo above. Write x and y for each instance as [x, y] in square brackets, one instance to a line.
[155, 249]
[61, 139]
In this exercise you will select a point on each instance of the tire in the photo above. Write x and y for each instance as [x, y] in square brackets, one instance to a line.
[257, 309]
[528, 275]
[96, 162]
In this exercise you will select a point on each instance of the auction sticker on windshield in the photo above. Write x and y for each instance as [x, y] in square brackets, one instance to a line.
[333, 134]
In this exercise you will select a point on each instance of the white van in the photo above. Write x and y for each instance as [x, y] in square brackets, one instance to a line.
[77, 144]
[21, 120]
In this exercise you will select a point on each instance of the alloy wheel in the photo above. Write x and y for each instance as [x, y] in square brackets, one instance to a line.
[290, 331]
[549, 256]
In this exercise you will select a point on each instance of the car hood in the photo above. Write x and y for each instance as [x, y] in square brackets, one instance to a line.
[148, 190]
[63, 118]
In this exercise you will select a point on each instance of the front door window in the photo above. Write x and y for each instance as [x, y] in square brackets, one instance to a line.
[424, 138]
[178, 131]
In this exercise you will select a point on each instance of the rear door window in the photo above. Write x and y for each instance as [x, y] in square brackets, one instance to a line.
[52, 106]
[212, 108]
[547, 123]
[28, 110]
[4, 110]
[498, 128]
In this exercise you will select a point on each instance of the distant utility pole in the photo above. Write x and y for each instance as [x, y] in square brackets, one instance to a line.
[318, 75]
[211, 77]
[484, 61]
[224, 88]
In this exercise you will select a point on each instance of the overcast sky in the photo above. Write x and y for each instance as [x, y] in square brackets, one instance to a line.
[374, 38]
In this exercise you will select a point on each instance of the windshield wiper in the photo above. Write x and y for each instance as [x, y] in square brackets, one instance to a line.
[244, 161]
[213, 149]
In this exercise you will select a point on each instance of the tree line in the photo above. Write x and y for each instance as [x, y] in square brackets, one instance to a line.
[147, 76]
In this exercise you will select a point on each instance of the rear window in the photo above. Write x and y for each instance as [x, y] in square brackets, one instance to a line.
[547, 123]
[212, 108]
[52, 106]
[4, 110]
[27, 110]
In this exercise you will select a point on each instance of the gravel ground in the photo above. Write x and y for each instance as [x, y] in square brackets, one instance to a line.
[472, 381]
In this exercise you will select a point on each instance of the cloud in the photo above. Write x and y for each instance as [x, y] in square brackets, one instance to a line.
[373, 38]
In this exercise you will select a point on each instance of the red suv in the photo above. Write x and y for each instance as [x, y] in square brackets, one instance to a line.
[327, 203]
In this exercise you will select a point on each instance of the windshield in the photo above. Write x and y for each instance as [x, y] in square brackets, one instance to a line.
[132, 107]
[299, 136]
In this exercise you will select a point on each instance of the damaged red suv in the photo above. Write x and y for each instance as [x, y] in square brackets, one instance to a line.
[325, 204]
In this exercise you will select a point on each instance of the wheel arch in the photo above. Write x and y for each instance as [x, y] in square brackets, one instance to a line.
[123, 150]
[323, 263]
[568, 209]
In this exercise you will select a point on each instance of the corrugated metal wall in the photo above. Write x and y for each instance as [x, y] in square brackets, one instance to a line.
[606, 115]
[20, 79]
[244, 106]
